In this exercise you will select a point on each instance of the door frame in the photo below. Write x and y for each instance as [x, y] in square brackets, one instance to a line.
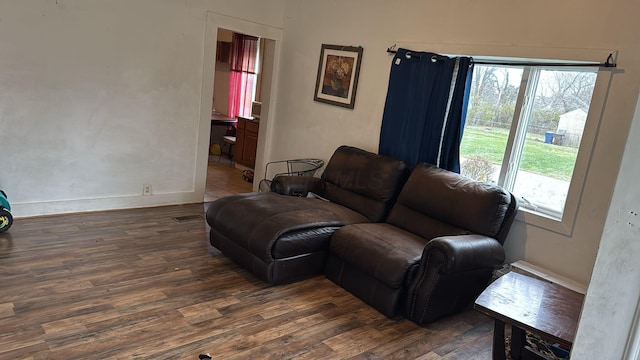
[271, 59]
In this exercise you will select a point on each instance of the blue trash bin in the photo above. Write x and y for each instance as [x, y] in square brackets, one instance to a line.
[548, 137]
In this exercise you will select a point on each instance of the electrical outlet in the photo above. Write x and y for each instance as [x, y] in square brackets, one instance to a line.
[146, 189]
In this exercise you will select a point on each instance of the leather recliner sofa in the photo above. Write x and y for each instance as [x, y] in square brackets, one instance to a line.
[435, 252]
[421, 248]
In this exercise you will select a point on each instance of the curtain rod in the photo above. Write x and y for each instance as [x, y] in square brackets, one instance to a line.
[609, 63]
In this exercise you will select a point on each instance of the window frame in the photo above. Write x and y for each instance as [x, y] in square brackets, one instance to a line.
[564, 222]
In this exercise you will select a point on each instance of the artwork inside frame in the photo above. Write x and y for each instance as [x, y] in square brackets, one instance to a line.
[338, 72]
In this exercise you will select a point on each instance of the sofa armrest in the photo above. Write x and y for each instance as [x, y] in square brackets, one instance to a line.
[452, 272]
[465, 252]
[297, 185]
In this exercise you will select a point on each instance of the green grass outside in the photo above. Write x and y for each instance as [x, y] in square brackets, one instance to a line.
[538, 157]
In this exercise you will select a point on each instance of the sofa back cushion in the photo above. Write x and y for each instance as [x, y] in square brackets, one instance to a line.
[436, 202]
[363, 181]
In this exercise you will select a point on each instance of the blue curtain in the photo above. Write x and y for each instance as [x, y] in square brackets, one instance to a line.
[425, 110]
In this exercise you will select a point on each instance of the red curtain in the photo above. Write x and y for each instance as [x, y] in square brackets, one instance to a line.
[244, 53]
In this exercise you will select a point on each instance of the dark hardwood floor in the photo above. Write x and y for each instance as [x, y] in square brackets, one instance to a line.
[144, 284]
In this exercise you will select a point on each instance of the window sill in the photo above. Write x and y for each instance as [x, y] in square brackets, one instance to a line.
[544, 221]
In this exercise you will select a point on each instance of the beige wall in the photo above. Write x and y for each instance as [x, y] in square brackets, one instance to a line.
[103, 96]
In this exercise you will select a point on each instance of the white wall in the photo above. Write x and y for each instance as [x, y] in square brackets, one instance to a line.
[376, 24]
[100, 97]
[614, 292]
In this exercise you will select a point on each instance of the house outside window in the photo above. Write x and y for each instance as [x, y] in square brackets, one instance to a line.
[525, 131]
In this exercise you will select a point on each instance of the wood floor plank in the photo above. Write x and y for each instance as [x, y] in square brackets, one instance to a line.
[139, 284]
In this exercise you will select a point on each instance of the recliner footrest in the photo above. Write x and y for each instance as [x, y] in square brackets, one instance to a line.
[263, 231]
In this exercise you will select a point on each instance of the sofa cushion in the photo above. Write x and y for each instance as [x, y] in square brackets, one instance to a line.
[300, 225]
[380, 250]
[436, 202]
[363, 181]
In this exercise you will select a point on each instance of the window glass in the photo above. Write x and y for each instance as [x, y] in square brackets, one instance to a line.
[524, 128]
[492, 104]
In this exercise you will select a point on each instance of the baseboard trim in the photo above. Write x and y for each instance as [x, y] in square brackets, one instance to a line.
[22, 210]
[529, 269]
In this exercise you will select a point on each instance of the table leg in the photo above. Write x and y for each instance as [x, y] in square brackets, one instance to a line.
[498, 341]
[518, 340]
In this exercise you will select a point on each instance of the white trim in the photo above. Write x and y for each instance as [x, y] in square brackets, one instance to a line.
[522, 116]
[527, 268]
[213, 22]
[585, 152]
[514, 130]
[101, 204]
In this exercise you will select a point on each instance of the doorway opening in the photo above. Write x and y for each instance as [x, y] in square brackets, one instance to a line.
[236, 102]
[237, 137]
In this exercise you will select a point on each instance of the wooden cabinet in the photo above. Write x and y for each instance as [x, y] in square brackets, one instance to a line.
[251, 144]
[246, 142]
[238, 150]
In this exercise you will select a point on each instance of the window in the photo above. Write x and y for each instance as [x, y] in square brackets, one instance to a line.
[525, 130]
[243, 74]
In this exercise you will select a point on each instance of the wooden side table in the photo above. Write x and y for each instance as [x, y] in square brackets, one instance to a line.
[528, 304]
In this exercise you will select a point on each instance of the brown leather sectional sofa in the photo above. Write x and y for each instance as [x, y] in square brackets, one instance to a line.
[421, 245]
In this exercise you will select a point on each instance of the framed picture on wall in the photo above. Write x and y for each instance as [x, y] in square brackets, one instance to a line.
[338, 72]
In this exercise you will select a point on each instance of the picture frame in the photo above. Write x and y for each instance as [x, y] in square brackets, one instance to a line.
[338, 72]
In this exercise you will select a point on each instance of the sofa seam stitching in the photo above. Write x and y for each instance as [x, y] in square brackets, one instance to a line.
[415, 294]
